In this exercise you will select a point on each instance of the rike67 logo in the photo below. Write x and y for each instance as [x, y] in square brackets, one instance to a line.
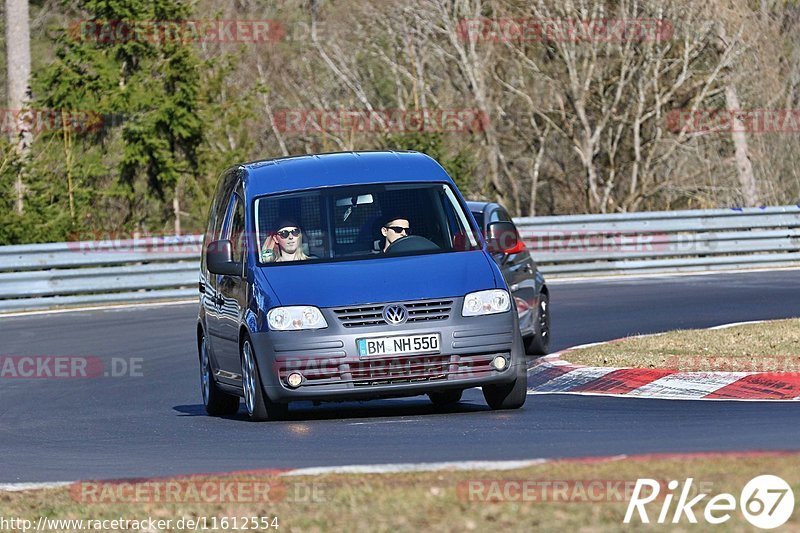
[766, 502]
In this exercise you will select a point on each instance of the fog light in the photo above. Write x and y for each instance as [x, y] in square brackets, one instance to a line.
[295, 379]
[499, 363]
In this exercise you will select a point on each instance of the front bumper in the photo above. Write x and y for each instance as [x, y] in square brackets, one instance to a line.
[333, 370]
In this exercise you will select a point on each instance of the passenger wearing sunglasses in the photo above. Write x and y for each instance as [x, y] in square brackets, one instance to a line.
[395, 229]
[286, 244]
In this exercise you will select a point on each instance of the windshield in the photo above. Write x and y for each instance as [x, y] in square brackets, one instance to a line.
[361, 222]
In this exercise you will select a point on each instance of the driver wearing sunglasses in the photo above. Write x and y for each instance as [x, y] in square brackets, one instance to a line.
[395, 229]
[286, 244]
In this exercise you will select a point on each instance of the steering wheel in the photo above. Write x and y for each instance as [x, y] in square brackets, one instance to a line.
[411, 243]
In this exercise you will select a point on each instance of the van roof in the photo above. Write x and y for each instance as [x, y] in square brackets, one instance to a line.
[340, 168]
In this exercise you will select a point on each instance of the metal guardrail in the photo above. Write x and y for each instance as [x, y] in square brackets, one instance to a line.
[166, 268]
[664, 241]
[37, 276]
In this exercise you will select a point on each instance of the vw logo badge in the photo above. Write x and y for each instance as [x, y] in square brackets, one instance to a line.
[395, 314]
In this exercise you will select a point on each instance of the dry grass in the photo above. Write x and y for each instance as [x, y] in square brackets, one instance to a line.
[438, 501]
[766, 347]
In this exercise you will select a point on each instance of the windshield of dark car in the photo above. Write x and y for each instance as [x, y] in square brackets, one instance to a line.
[341, 223]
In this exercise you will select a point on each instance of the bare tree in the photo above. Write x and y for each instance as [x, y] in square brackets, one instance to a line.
[608, 94]
[584, 118]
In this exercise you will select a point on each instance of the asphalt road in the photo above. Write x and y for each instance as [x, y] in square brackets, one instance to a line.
[152, 423]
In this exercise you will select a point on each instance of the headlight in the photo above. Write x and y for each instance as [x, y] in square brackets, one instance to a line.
[486, 303]
[296, 317]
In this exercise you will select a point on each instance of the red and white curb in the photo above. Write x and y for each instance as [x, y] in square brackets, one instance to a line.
[553, 375]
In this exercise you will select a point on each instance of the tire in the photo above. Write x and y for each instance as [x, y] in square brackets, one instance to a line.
[510, 396]
[539, 342]
[216, 402]
[443, 399]
[259, 407]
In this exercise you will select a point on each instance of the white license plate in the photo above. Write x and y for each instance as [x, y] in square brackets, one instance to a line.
[428, 343]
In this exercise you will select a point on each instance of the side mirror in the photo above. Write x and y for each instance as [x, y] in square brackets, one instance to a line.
[502, 238]
[219, 259]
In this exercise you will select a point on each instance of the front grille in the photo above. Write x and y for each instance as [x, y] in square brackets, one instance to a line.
[372, 315]
[399, 370]
[387, 370]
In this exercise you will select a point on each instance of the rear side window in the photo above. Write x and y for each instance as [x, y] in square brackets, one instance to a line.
[233, 227]
[220, 206]
[503, 216]
[217, 216]
[237, 229]
[499, 215]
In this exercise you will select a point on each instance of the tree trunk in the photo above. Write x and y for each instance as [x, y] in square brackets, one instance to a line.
[537, 165]
[18, 51]
[176, 209]
[744, 168]
[68, 160]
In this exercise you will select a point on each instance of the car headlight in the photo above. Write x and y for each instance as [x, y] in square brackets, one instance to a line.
[486, 303]
[296, 317]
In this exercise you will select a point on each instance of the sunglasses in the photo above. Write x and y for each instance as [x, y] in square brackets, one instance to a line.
[285, 232]
[399, 229]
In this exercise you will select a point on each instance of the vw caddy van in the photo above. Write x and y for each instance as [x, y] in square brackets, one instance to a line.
[352, 276]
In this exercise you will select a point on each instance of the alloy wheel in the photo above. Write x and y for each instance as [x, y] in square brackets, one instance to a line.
[205, 373]
[248, 377]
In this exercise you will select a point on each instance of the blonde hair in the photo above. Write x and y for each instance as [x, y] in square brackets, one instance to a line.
[299, 255]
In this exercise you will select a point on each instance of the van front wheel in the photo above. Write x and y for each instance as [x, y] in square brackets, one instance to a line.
[509, 396]
[259, 407]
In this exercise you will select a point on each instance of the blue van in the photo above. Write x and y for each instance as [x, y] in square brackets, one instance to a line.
[351, 276]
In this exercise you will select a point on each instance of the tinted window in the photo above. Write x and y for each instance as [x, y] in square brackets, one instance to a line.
[233, 227]
[220, 206]
[499, 215]
[502, 215]
[237, 229]
[218, 211]
[341, 223]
